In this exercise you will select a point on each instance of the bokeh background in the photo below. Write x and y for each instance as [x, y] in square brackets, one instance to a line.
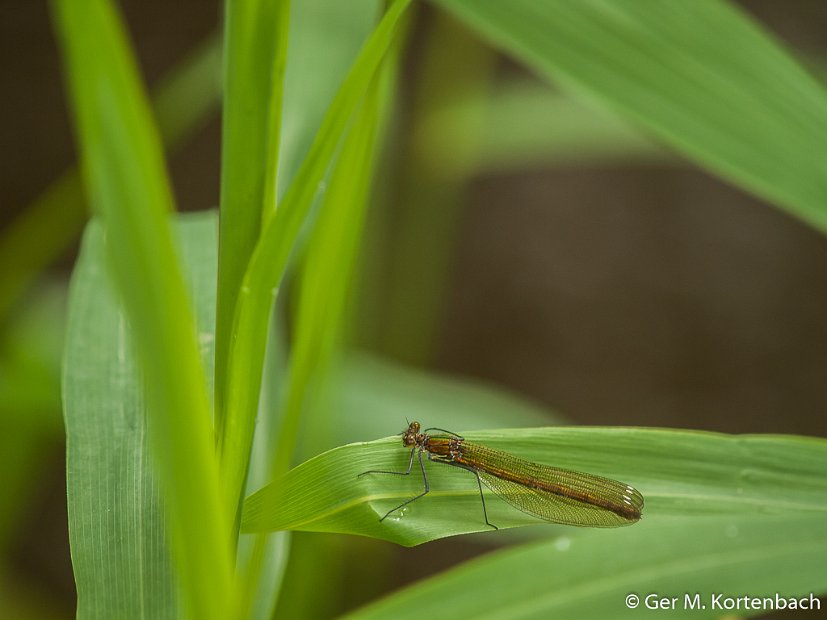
[609, 281]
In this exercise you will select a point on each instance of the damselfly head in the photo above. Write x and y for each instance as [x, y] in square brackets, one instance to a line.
[409, 436]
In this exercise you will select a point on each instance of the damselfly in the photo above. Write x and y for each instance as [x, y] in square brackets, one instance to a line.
[549, 493]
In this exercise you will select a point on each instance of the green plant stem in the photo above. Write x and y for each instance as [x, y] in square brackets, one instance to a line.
[275, 111]
[323, 297]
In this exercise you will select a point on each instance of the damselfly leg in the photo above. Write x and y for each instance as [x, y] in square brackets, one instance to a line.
[405, 473]
[482, 497]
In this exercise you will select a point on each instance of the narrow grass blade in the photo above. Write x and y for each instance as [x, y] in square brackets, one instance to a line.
[128, 187]
[120, 549]
[680, 473]
[325, 37]
[255, 55]
[701, 76]
[328, 271]
[270, 256]
[688, 562]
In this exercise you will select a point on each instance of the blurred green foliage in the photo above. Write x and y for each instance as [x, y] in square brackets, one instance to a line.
[701, 79]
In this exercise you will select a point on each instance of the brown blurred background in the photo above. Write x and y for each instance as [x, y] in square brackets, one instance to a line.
[615, 293]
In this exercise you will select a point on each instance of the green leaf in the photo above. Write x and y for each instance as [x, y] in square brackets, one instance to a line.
[125, 177]
[255, 55]
[119, 548]
[327, 274]
[270, 256]
[679, 473]
[262, 558]
[591, 575]
[328, 271]
[701, 76]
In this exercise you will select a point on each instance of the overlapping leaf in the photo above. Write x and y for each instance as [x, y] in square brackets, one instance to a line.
[680, 473]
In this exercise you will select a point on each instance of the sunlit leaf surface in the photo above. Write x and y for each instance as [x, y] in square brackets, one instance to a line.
[680, 473]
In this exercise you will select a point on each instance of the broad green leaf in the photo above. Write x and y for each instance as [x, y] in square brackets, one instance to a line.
[255, 55]
[680, 473]
[183, 101]
[126, 180]
[270, 256]
[701, 76]
[119, 551]
[591, 575]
